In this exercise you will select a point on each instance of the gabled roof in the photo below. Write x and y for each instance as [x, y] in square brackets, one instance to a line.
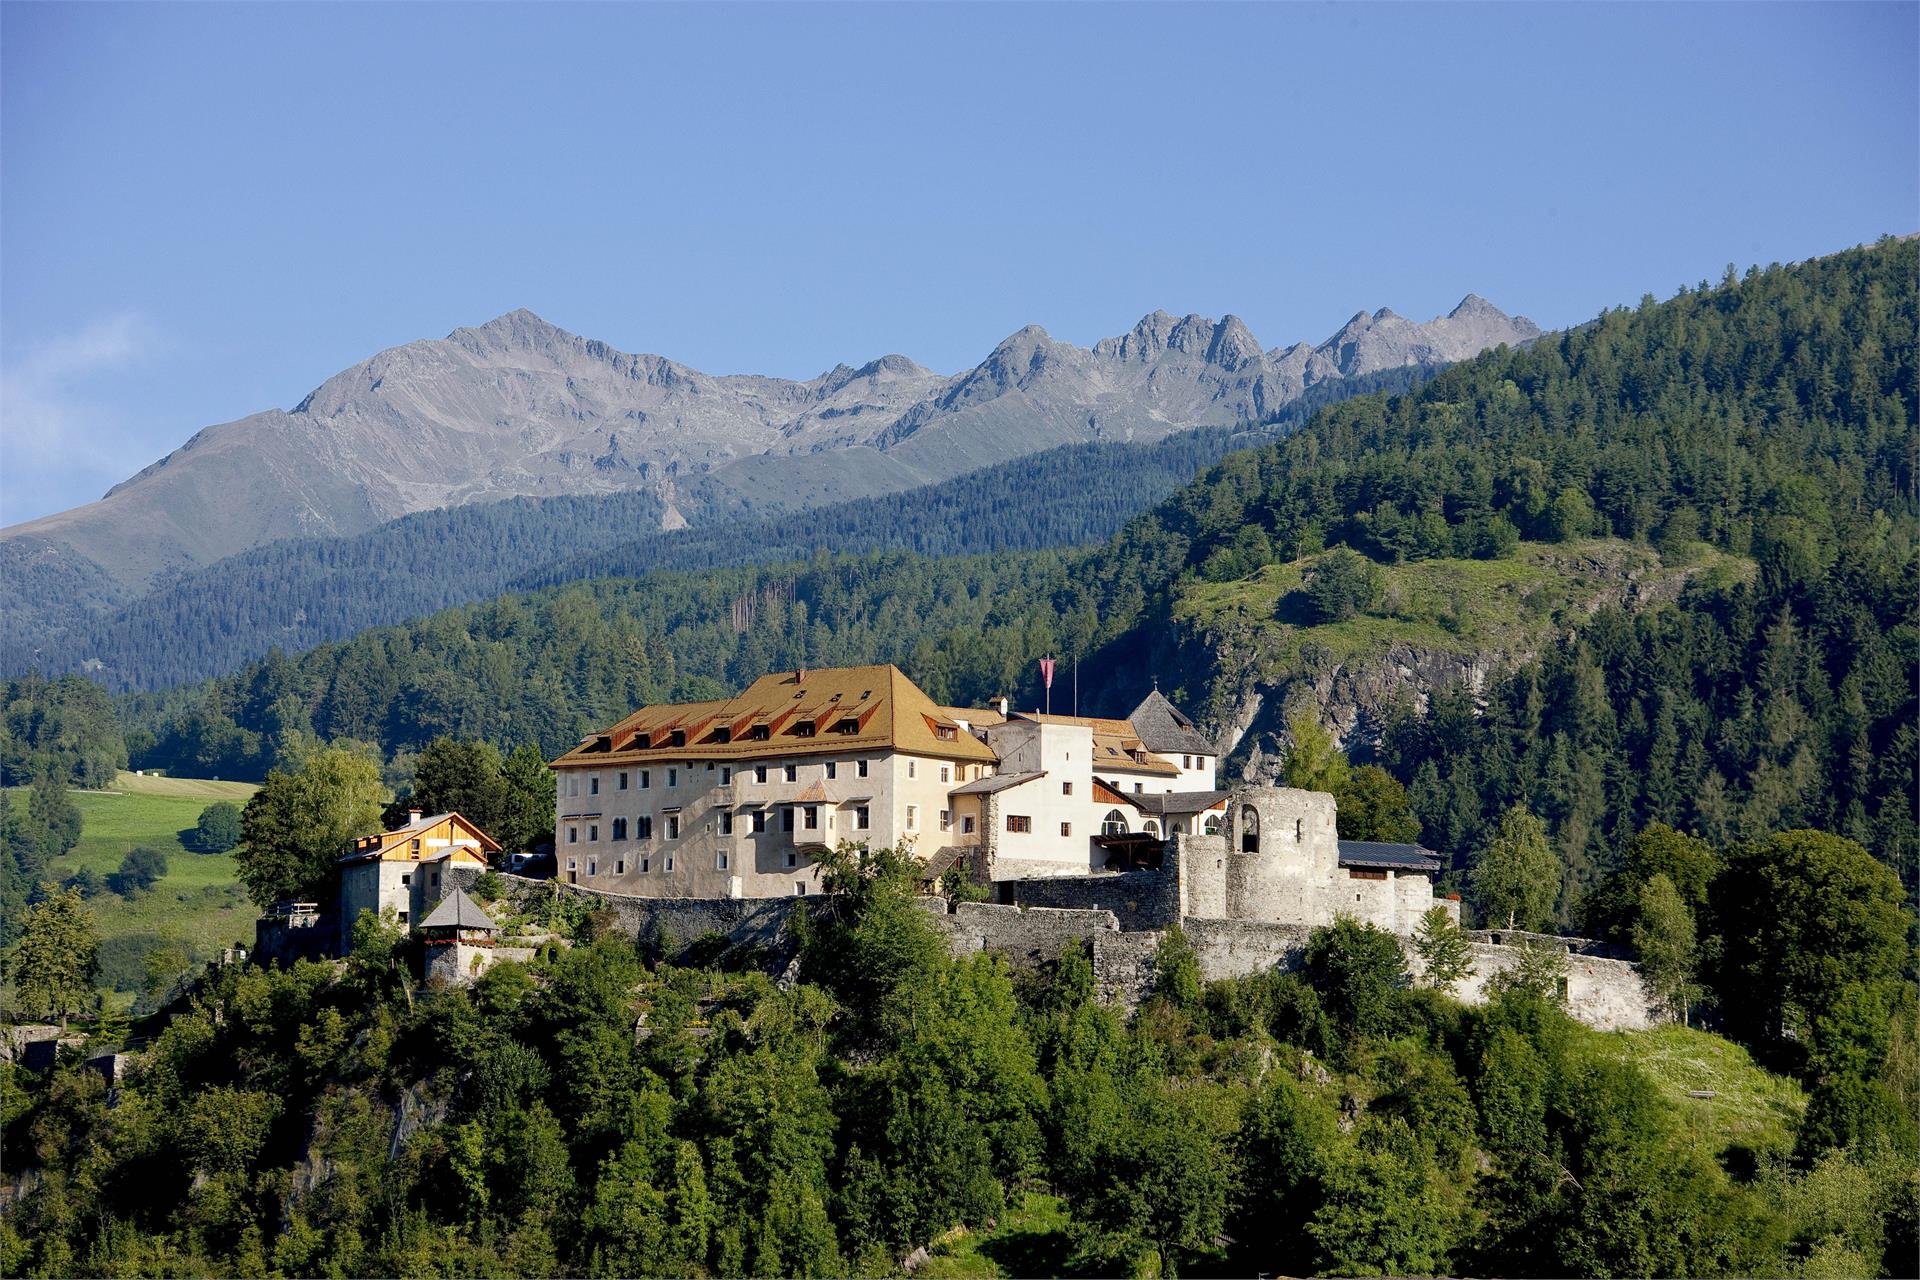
[387, 841]
[995, 782]
[1388, 857]
[1174, 803]
[1165, 729]
[458, 911]
[830, 711]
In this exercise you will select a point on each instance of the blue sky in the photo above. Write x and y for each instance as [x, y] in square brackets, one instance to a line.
[207, 210]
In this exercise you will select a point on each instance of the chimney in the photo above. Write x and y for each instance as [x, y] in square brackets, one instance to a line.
[413, 817]
[800, 676]
[1003, 708]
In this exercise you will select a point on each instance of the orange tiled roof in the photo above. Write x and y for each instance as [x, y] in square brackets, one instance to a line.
[789, 713]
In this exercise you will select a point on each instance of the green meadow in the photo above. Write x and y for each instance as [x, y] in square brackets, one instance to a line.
[199, 904]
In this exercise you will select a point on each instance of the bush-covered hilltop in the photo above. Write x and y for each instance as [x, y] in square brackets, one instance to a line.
[1768, 421]
[601, 1112]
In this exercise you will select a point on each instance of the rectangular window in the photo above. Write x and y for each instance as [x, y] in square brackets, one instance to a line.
[646, 779]
[1066, 788]
[593, 833]
[944, 772]
[833, 770]
[786, 818]
[720, 861]
[759, 820]
[619, 828]
[572, 865]
[669, 862]
[862, 818]
[573, 835]
[1186, 762]
[620, 867]
[799, 891]
[573, 784]
[673, 826]
[406, 878]
[620, 781]
[593, 784]
[813, 817]
[946, 819]
[793, 773]
[1019, 822]
[593, 866]
[645, 823]
[793, 859]
[403, 920]
[646, 865]
[966, 825]
[913, 817]
[726, 775]
[673, 777]
[726, 822]
[911, 767]
[860, 768]
[1138, 787]
[759, 773]
[1066, 829]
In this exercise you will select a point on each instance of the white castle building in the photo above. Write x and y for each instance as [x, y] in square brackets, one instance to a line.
[737, 798]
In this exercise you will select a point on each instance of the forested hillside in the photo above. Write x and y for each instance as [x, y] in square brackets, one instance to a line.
[330, 1120]
[301, 592]
[1769, 419]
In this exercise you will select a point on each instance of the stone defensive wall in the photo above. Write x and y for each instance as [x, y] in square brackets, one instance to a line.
[1139, 900]
[1103, 913]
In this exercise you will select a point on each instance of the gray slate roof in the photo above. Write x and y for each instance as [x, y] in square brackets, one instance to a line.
[1164, 728]
[458, 911]
[995, 782]
[1177, 802]
[1389, 857]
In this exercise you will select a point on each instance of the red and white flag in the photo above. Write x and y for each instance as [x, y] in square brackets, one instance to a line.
[1046, 671]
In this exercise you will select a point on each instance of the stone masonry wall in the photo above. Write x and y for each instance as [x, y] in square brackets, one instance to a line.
[1602, 991]
[1139, 900]
[745, 922]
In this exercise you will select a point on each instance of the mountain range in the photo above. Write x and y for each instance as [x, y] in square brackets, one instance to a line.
[521, 408]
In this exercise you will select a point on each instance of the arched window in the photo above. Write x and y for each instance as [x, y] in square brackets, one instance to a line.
[1212, 825]
[1152, 828]
[1114, 824]
[1249, 830]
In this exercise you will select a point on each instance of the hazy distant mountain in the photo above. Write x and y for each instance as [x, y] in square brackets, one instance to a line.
[518, 407]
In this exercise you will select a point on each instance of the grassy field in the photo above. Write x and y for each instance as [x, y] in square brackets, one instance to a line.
[1750, 1107]
[1449, 606]
[1030, 1241]
[198, 904]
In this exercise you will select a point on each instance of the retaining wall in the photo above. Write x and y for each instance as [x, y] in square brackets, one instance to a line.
[1138, 900]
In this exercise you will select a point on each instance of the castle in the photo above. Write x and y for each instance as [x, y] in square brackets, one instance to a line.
[739, 798]
[695, 819]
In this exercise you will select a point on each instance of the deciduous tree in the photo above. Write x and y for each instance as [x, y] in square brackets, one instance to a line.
[54, 964]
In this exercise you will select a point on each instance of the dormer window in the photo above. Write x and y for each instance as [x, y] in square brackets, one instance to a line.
[643, 742]
[759, 733]
[847, 725]
[944, 732]
[679, 738]
[723, 735]
[804, 729]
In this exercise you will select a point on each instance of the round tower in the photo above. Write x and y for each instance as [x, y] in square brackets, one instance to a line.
[1283, 854]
